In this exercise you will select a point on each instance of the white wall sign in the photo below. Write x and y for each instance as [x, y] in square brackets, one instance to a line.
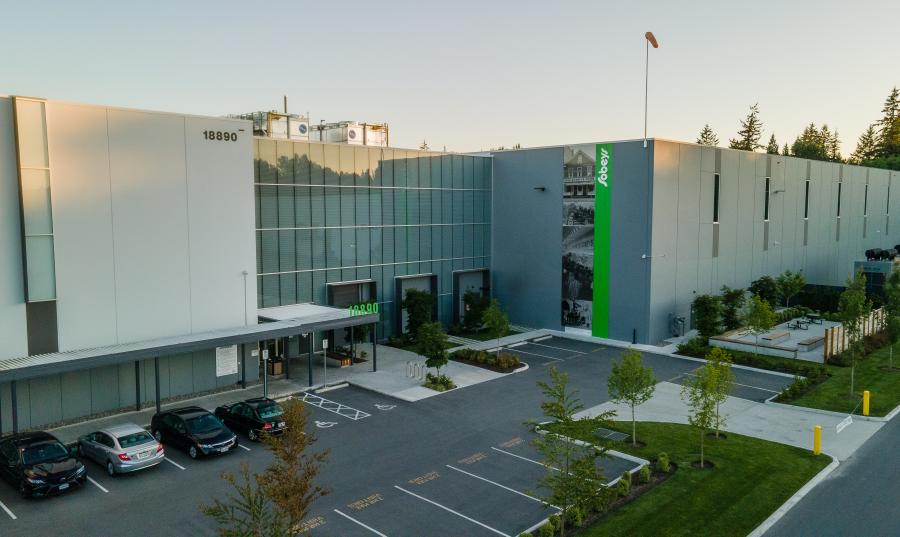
[226, 361]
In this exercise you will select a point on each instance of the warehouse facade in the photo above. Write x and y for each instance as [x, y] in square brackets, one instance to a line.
[668, 222]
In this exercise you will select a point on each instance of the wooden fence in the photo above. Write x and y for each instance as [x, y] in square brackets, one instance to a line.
[837, 340]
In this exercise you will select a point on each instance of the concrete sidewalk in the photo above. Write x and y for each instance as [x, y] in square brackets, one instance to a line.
[769, 422]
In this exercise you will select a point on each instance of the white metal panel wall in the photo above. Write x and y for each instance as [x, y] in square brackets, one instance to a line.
[221, 224]
[82, 217]
[150, 223]
[13, 332]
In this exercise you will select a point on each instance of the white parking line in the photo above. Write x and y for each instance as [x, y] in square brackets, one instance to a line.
[504, 487]
[245, 448]
[457, 513]
[170, 461]
[351, 519]
[541, 355]
[544, 338]
[539, 463]
[98, 485]
[514, 345]
[8, 512]
[558, 348]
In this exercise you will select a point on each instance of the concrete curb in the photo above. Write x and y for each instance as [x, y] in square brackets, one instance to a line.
[655, 350]
[760, 530]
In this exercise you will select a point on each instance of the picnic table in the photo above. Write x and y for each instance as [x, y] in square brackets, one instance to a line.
[814, 318]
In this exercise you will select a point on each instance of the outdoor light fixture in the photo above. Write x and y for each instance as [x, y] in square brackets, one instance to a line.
[540, 188]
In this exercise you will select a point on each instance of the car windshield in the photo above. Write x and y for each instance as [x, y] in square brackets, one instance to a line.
[203, 424]
[270, 411]
[134, 439]
[49, 452]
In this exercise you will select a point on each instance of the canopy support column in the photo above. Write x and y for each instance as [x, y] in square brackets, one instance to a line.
[156, 379]
[137, 384]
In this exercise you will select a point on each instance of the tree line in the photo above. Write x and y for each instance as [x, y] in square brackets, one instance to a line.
[878, 146]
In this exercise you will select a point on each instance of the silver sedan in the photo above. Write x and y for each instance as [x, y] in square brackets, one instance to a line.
[121, 448]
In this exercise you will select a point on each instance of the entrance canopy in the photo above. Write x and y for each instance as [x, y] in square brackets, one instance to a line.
[286, 321]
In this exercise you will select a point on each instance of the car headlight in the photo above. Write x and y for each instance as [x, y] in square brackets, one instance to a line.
[33, 478]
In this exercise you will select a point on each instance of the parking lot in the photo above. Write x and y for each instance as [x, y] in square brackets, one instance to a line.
[460, 464]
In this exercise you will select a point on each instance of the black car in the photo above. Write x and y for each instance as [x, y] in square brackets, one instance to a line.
[39, 465]
[253, 417]
[194, 430]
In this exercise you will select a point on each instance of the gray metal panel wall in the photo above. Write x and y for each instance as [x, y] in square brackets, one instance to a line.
[630, 239]
[526, 256]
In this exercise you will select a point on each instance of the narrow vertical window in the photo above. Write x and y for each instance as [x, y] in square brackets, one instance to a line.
[716, 198]
[806, 202]
[766, 201]
[887, 203]
[866, 201]
[839, 200]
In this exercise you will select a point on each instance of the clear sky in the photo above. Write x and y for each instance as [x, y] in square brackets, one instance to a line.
[470, 75]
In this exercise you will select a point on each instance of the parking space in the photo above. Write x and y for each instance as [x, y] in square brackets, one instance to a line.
[749, 385]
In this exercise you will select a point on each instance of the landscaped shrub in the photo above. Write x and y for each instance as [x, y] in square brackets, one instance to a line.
[439, 383]
[795, 389]
[507, 360]
[455, 329]
[546, 530]
[475, 304]
[575, 516]
[662, 462]
[644, 474]
[553, 520]
[504, 361]
[696, 347]
[623, 487]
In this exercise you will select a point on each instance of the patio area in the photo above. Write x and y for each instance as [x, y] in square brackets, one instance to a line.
[792, 339]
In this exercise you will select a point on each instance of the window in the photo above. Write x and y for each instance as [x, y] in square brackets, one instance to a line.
[766, 201]
[806, 202]
[839, 200]
[716, 199]
[866, 201]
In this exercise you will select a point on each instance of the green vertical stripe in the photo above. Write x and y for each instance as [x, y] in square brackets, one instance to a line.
[602, 203]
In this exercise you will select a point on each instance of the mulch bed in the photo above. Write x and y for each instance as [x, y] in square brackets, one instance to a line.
[707, 464]
[712, 435]
[486, 366]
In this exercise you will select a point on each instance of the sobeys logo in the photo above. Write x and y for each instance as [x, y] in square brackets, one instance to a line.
[603, 170]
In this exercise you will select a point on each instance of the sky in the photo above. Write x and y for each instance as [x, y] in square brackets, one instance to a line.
[469, 76]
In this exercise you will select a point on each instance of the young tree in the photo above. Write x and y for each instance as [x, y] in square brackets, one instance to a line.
[419, 306]
[276, 502]
[632, 383]
[866, 147]
[759, 318]
[892, 312]
[766, 288]
[732, 306]
[853, 307]
[573, 477]
[432, 344]
[720, 359]
[699, 394]
[707, 314]
[789, 284]
[496, 321]
[772, 147]
[750, 133]
[708, 137]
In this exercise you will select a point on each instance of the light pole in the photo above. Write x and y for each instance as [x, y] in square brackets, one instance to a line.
[651, 40]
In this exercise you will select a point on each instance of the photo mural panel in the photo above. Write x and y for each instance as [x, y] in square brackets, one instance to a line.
[587, 180]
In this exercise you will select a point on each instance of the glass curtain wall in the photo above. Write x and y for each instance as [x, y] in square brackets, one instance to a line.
[335, 212]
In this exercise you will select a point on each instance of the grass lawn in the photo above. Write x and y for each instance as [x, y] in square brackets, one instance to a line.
[751, 479]
[483, 335]
[834, 393]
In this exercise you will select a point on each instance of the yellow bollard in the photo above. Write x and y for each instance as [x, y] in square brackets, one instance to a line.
[817, 439]
[866, 403]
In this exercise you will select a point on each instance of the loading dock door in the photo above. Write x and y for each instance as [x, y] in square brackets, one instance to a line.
[463, 282]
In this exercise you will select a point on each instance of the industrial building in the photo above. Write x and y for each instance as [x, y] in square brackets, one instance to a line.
[148, 255]
[667, 221]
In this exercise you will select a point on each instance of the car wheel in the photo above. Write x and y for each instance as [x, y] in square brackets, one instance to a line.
[110, 469]
[193, 452]
[252, 435]
[23, 490]
[158, 436]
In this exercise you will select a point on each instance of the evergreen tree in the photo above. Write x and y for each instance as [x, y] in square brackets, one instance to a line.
[708, 137]
[750, 133]
[813, 143]
[866, 147]
[786, 151]
[772, 148]
[889, 126]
